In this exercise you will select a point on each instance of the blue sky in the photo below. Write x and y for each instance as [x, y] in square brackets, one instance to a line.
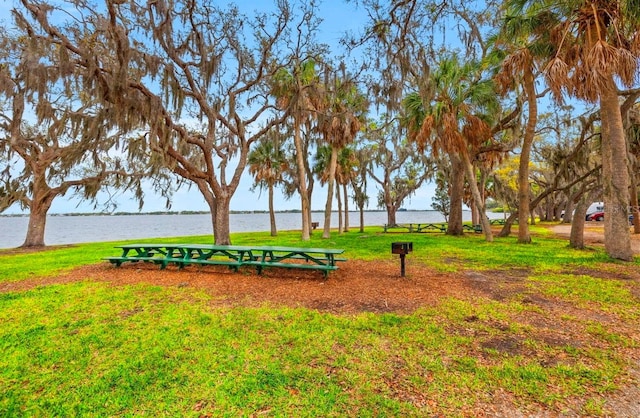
[338, 17]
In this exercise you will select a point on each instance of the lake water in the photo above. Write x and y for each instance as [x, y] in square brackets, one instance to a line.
[77, 229]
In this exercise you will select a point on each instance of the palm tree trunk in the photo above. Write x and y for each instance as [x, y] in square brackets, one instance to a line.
[524, 236]
[272, 213]
[333, 163]
[346, 207]
[454, 227]
[339, 210]
[302, 182]
[617, 239]
[471, 177]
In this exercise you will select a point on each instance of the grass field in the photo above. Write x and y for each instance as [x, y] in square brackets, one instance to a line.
[567, 342]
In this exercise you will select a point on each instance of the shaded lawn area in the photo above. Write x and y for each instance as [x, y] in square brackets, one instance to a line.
[474, 328]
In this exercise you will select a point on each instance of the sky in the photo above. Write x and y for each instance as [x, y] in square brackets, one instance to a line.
[338, 17]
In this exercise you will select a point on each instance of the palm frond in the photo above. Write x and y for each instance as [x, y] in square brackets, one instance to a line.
[557, 76]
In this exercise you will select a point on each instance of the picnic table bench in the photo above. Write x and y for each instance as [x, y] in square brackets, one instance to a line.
[232, 256]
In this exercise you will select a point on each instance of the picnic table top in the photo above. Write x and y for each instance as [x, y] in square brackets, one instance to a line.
[236, 247]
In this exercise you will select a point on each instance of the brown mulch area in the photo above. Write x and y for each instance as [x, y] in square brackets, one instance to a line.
[358, 286]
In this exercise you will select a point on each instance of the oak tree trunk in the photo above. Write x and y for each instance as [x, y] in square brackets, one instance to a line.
[576, 237]
[569, 211]
[634, 204]
[39, 207]
[220, 216]
[37, 224]
[391, 214]
[484, 221]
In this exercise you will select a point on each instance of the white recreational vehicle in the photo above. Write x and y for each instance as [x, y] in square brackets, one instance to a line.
[595, 207]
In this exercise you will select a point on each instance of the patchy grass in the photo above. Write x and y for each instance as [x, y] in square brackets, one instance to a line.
[88, 348]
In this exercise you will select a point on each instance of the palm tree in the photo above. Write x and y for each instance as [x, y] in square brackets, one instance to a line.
[359, 181]
[267, 162]
[455, 120]
[298, 93]
[346, 170]
[339, 125]
[595, 44]
[520, 45]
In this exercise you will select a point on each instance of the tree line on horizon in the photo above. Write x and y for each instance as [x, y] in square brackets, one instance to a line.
[532, 105]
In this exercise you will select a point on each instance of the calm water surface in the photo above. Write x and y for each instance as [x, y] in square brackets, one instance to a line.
[77, 229]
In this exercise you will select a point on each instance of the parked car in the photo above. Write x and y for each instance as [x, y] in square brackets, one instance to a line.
[596, 216]
[599, 216]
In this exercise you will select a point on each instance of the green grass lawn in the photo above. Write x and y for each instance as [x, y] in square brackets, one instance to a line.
[92, 349]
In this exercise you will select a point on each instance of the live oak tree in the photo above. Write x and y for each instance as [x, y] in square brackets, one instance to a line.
[394, 164]
[406, 38]
[196, 74]
[569, 166]
[440, 201]
[631, 118]
[54, 141]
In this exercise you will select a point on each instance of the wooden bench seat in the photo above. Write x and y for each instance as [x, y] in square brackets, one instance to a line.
[232, 264]
[119, 260]
[260, 265]
[301, 257]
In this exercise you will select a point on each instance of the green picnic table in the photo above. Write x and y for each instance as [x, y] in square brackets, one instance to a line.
[428, 227]
[232, 256]
[421, 227]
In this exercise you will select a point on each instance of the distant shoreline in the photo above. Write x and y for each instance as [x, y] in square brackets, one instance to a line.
[188, 212]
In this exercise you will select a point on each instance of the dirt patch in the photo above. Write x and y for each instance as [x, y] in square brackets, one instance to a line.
[594, 234]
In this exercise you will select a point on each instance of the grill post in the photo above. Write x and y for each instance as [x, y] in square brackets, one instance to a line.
[402, 249]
